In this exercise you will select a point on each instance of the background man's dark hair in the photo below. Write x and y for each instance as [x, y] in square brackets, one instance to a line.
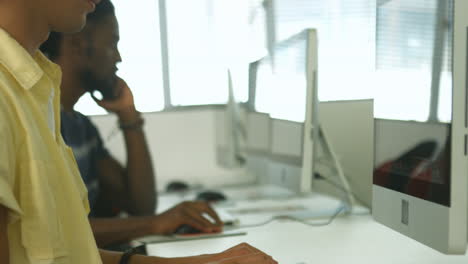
[51, 48]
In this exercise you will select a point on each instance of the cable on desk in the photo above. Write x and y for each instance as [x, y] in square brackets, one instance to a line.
[337, 186]
[259, 224]
[329, 221]
[286, 217]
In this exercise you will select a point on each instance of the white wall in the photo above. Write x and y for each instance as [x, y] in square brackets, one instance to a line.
[182, 146]
[350, 127]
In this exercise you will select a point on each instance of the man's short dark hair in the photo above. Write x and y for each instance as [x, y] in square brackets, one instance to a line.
[51, 47]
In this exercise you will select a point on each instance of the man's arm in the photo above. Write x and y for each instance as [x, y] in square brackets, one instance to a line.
[135, 188]
[116, 189]
[108, 231]
[4, 248]
[110, 257]
[140, 176]
[240, 254]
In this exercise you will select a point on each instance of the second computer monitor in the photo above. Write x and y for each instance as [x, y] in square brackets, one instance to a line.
[287, 90]
[420, 176]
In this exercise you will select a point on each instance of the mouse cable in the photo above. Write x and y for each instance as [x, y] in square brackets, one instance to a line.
[257, 225]
[315, 224]
[339, 187]
[305, 222]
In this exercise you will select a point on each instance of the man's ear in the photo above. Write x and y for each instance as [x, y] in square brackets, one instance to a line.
[79, 44]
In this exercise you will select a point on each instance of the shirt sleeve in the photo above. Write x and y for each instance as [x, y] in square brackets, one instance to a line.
[7, 166]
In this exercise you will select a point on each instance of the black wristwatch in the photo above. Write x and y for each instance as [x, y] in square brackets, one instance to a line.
[129, 253]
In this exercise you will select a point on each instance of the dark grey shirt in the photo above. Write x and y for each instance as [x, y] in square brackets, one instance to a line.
[82, 136]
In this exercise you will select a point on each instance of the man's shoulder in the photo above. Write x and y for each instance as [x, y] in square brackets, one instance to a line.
[75, 117]
[77, 128]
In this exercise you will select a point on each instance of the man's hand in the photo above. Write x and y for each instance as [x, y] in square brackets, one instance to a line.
[255, 258]
[241, 254]
[187, 213]
[123, 105]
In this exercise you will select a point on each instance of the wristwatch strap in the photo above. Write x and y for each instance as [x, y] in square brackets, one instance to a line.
[129, 253]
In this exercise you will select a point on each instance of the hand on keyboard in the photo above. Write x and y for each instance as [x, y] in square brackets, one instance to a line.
[241, 254]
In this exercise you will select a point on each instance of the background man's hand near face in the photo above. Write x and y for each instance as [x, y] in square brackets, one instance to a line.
[123, 105]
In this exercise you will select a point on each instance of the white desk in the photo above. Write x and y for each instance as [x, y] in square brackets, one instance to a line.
[349, 239]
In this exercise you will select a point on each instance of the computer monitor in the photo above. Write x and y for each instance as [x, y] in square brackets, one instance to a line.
[287, 90]
[420, 176]
[235, 132]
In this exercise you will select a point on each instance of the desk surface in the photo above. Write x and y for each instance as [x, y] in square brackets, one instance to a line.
[348, 239]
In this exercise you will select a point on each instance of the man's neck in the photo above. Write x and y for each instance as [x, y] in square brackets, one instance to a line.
[23, 24]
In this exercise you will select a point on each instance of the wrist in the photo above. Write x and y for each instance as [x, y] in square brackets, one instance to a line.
[160, 225]
[130, 120]
[128, 115]
[154, 225]
[130, 256]
[140, 259]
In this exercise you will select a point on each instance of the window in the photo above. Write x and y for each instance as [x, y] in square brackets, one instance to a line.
[407, 32]
[346, 36]
[346, 39]
[281, 84]
[141, 58]
[205, 38]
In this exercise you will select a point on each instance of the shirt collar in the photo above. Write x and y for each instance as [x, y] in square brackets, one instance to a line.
[27, 70]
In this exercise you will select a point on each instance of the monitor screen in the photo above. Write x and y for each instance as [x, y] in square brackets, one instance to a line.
[418, 163]
[412, 148]
[281, 83]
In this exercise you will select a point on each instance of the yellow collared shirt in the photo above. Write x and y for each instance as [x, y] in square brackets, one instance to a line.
[39, 180]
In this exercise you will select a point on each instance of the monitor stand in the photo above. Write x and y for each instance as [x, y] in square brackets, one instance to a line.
[330, 160]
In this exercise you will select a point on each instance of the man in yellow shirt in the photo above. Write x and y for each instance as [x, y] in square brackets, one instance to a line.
[43, 202]
[89, 61]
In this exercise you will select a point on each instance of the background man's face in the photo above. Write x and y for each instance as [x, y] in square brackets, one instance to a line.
[102, 55]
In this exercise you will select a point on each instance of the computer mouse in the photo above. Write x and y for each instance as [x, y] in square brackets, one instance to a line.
[186, 229]
[177, 186]
[211, 196]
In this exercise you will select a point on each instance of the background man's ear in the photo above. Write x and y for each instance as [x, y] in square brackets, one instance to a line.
[80, 45]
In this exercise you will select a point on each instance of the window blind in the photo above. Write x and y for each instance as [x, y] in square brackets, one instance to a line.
[407, 32]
